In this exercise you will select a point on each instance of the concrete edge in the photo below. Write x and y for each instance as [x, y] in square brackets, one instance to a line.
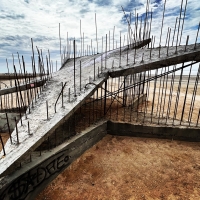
[162, 132]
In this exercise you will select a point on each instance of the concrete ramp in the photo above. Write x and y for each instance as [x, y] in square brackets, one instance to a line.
[66, 91]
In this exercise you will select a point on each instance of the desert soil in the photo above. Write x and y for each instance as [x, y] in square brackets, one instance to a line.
[131, 168]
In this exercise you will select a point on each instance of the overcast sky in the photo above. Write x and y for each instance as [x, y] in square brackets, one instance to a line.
[21, 20]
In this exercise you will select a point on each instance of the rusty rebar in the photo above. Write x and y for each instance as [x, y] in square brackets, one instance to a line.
[183, 22]
[186, 43]
[16, 131]
[8, 128]
[174, 31]
[162, 23]
[75, 69]
[29, 131]
[177, 96]
[179, 26]
[184, 103]
[198, 118]
[2, 144]
[94, 69]
[152, 108]
[168, 41]
[193, 96]
[47, 109]
[197, 36]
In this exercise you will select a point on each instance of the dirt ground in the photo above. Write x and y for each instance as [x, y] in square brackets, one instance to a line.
[131, 168]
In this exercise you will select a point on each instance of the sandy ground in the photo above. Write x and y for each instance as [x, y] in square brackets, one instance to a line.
[131, 168]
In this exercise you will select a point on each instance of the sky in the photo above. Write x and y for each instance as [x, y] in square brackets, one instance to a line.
[22, 20]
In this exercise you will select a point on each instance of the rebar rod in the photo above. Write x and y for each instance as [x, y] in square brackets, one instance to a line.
[96, 32]
[74, 70]
[193, 96]
[167, 37]
[165, 94]
[16, 131]
[2, 144]
[120, 52]
[179, 25]
[186, 43]
[113, 37]
[161, 98]
[183, 22]
[47, 109]
[146, 99]
[197, 36]
[154, 94]
[105, 97]
[168, 41]
[174, 31]
[162, 23]
[9, 131]
[184, 102]
[106, 53]
[29, 132]
[198, 118]
[80, 75]
[94, 69]
[177, 96]
[159, 93]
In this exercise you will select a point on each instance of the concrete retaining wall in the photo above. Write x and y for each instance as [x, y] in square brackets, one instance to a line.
[165, 132]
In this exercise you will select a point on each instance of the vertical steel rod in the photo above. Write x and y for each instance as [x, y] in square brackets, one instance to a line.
[183, 109]
[152, 108]
[47, 109]
[162, 23]
[8, 127]
[197, 36]
[94, 69]
[183, 22]
[74, 71]
[16, 130]
[179, 25]
[177, 96]
[80, 75]
[105, 97]
[2, 144]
